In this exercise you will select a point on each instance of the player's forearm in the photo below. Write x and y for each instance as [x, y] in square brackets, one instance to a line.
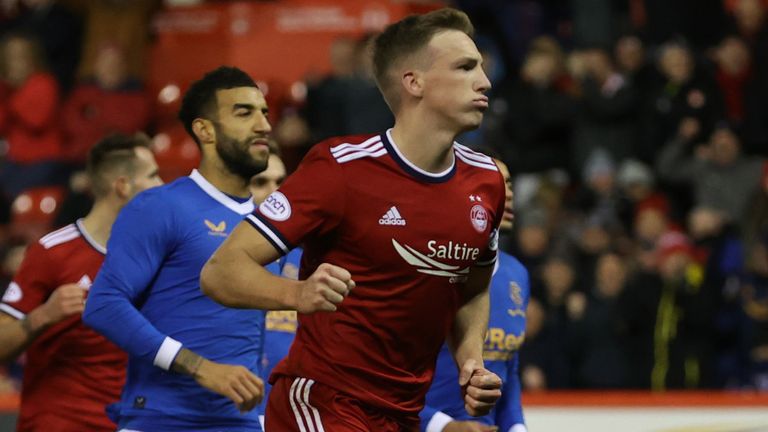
[110, 312]
[468, 332]
[17, 335]
[187, 362]
[235, 280]
[471, 323]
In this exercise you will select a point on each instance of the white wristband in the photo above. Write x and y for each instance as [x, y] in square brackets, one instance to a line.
[438, 422]
[518, 428]
[166, 353]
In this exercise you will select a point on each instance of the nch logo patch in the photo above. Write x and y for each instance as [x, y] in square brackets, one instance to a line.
[13, 293]
[276, 207]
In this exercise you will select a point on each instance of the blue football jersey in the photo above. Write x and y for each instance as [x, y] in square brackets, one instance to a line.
[509, 294]
[147, 299]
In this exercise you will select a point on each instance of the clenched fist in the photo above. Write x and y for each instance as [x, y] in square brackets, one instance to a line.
[481, 388]
[325, 289]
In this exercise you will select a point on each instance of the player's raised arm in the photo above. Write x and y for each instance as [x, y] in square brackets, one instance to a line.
[235, 277]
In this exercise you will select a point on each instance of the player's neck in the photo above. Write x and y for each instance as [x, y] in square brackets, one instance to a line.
[222, 179]
[98, 222]
[429, 148]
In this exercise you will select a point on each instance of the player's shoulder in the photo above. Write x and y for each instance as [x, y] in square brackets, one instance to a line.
[345, 149]
[511, 261]
[57, 239]
[474, 160]
[514, 265]
[168, 195]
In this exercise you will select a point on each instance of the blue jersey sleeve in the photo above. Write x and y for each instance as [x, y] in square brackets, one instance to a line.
[141, 237]
[509, 411]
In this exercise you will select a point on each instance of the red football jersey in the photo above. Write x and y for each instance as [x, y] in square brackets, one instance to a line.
[72, 372]
[408, 237]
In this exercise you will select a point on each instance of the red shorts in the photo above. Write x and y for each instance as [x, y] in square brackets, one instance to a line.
[304, 405]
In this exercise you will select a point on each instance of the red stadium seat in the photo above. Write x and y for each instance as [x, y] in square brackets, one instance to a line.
[175, 151]
[33, 211]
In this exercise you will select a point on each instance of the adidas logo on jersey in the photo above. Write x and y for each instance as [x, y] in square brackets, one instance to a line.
[392, 217]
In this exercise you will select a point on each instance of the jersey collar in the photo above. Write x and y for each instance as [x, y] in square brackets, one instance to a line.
[412, 169]
[239, 208]
[88, 239]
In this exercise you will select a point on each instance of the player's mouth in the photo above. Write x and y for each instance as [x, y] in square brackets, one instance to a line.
[260, 143]
[481, 102]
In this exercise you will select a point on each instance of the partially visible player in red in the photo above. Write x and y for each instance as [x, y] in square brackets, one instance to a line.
[399, 233]
[72, 372]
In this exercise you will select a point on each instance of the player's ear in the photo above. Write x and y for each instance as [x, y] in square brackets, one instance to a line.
[123, 187]
[203, 130]
[413, 82]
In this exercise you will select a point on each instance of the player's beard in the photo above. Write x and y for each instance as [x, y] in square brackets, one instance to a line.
[236, 157]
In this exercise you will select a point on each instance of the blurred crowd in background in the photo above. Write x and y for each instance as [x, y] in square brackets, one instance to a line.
[636, 132]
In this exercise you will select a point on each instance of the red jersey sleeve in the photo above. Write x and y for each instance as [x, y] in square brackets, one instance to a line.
[309, 203]
[488, 257]
[32, 284]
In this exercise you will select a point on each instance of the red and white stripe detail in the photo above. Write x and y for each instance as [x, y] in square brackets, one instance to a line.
[62, 235]
[371, 147]
[307, 416]
[474, 158]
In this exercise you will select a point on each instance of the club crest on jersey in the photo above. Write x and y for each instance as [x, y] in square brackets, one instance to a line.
[13, 293]
[216, 229]
[516, 293]
[479, 218]
[276, 207]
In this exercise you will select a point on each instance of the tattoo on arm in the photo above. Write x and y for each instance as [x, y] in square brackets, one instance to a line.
[187, 362]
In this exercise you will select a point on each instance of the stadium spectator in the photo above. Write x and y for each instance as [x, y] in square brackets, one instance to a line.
[42, 305]
[544, 361]
[683, 91]
[632, 62]
[111, 101]
[606, 112]
[125, 23]
[361, 91]
[324, 110]
[669, 320]
[60, 32]
[29, 117]
[720, 177]
[536, 113]
[596, 328]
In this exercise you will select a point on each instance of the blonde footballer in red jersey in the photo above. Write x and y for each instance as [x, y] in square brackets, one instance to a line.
[72, 372]
[399, 233]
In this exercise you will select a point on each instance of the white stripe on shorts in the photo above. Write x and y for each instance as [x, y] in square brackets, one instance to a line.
[299, 399]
